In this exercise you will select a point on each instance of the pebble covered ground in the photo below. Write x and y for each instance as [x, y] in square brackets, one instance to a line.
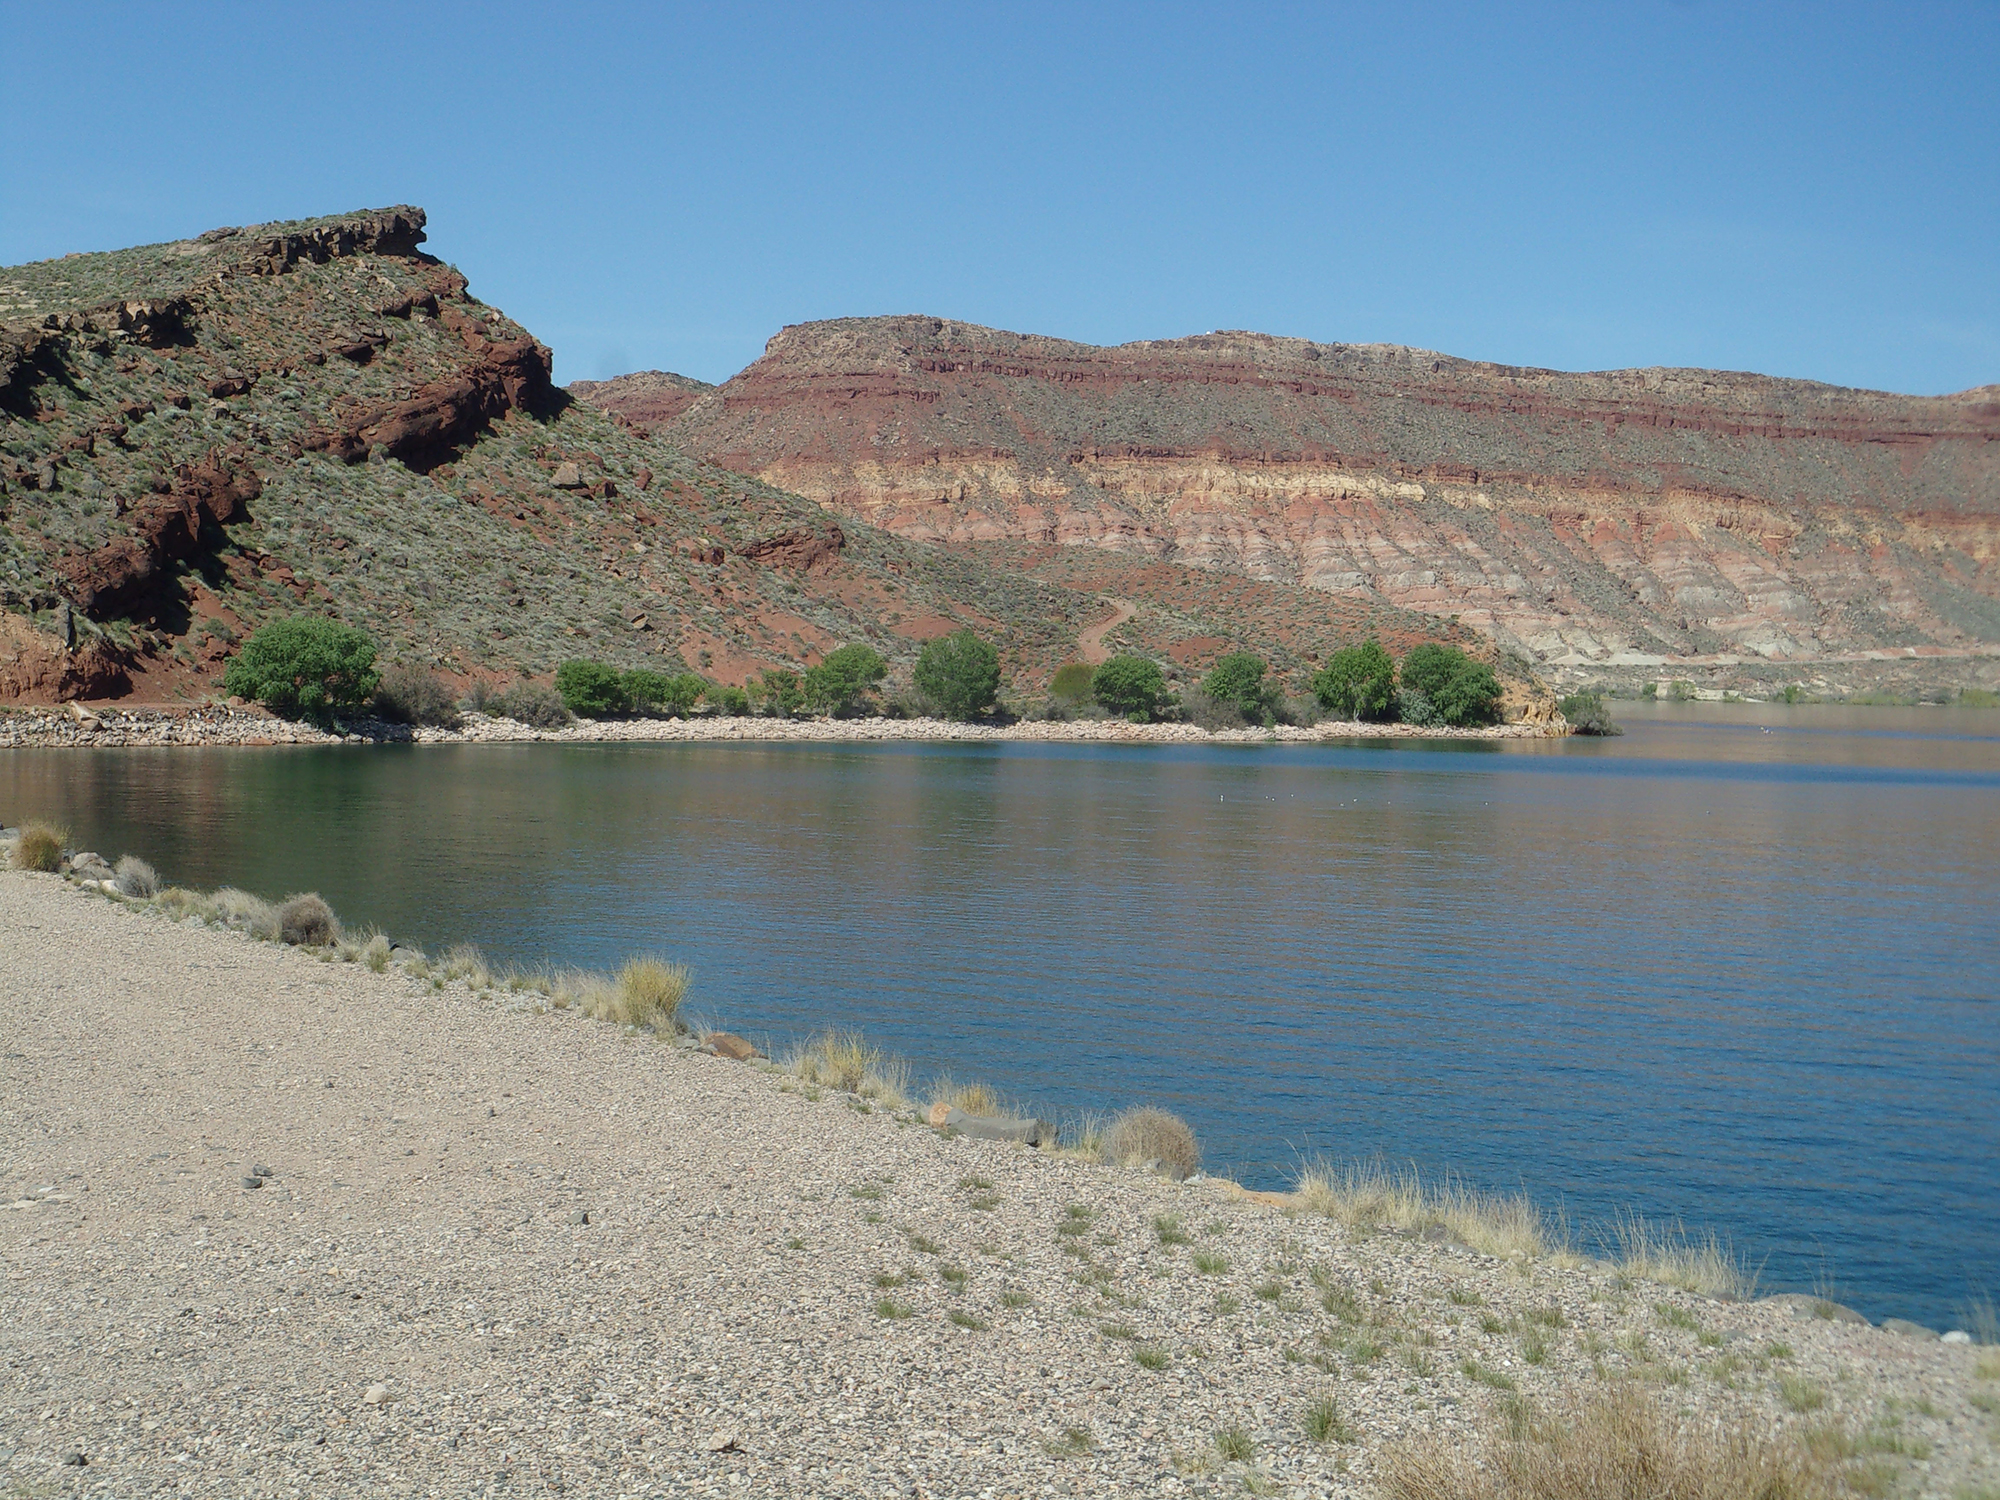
[495, 1252]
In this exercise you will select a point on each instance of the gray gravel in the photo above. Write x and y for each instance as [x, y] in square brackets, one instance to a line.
[507, 1253]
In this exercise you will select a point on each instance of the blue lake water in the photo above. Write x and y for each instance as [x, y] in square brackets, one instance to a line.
[1737, 967]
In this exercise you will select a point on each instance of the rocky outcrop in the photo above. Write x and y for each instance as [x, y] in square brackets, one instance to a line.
[645, 399]
[799, 549]
[165, 529]
[272, 250]
[38, 667]
[1630, 519]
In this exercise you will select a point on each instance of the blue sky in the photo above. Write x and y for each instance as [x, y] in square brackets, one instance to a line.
[1803, 190]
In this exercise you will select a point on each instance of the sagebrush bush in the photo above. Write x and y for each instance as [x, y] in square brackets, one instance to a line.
[537, 707]
[410, 695]
[1146, 1135]
[1204, 710]
[40, 848]
[136, 878]
[306, 921]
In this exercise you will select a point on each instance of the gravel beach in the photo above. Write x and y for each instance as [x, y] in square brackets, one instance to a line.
[498, 1252]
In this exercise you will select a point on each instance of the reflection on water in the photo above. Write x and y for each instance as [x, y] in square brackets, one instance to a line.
[1737, 965]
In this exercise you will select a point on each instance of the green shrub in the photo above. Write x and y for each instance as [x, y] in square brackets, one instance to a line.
[1238, 680]
[305, 667]
[1130, 685]
[1071, 684]
[591, 688]
[780, 692]
[410, 695]
[960, 673]
[1357, 683]
[532, 704]
[731, 700]
[1462, 690]
[840, 684]
[40, 848]
[1412, 707]
[651, 692]
[1587, 714]
[1204, 710]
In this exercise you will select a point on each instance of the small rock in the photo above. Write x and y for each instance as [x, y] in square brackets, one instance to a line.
[262, 1172]
[581, 1216]
[1958, 1336]
[729, 1045]
[940, 1114]
[376, 1395]
[74, 1459]
[251, 1180]
[725, 1442]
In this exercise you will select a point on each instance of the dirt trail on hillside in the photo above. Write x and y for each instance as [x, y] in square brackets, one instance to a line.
[1090, 640]
[502, 1252]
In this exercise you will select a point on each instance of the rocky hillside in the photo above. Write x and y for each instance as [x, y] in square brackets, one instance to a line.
[199, 436]
[1632, 524]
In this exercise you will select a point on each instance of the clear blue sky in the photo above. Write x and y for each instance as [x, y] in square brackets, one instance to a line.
[1807, 190]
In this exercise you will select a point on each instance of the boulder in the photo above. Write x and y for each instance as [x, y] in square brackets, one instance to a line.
[995, 1128]
[729, 1045]
[567, 477]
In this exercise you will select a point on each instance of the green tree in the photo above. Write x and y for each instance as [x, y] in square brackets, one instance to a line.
[305, 667]
[1587, 714]
[1358, 682]
[960, 673]
[840, 684]
[780, 691]
[731, 700]
[1463, 691]
[1071, 684]
[591, 688]
[1130, 685]
[651, 691]
[1238, 680]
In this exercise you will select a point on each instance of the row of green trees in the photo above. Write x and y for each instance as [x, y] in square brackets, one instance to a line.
[1434, 685]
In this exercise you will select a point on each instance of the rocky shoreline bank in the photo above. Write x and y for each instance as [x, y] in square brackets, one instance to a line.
[374, 1232]
[73, 726]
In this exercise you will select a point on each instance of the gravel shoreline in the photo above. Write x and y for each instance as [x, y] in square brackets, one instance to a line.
[101, 728]
[502, 1252]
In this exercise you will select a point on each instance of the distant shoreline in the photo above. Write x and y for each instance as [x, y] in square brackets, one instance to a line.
[61, 728]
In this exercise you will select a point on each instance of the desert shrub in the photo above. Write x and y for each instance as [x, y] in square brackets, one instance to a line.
[1238, 680]
[410, 695]
[1130, 685]
[40, 848]
[779, 692]
[1463, 691]
[591, 689]
[840, 684]
[650, 691]
[136, 878]
[1204, 710]
[1618, 1444]
[305, 667]
[845, 1060]
[1071, 684]
[647, 992]
[1368, 1194]
[537, 707]
[244, 912]
[1146, 1135]
[1413, 707]
[1358, 682]
[730, 700]
[307, 921]
[1587, 714]
[960, 673]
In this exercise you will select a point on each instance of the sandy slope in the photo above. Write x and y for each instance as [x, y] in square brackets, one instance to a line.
[713, 1327]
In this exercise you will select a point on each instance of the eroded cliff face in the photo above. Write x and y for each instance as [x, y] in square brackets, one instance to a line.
[1636, 521]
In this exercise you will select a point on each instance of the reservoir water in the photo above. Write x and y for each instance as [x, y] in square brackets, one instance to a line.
[1738, 967]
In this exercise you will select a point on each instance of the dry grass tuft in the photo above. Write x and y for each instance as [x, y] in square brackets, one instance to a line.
[40, 848]
[847, 1061]
[136, 878]
[464, 961]
[242, 911]
[973, 1098]
[1615, 1446]
[1365, 1194]
[1144, 1135]
[1668, 1254]
[649, 992]
[305, 921]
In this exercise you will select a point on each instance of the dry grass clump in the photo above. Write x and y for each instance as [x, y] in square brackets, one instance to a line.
[136, 878]
[1364, 1194]
[1144, 1135]
[1669, 1254]
[647, 992]
[306, 921]
[847, 1061]
[466, 962]
[1615, 1446]
[973, 1098]
[244, 912]
[40, 848]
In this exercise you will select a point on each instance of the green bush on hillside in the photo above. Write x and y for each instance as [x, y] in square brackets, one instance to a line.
[1463, 691]
[1358, 682]
[780, 692]
[655, 692]
[733, 701]
[1071, 684]
[1238, 680]
[1587, 714]
[840, 684]
[960, 673]
[532, 704]
[305, 667]
[1130, 685]
[592, 689]
[410, 695]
